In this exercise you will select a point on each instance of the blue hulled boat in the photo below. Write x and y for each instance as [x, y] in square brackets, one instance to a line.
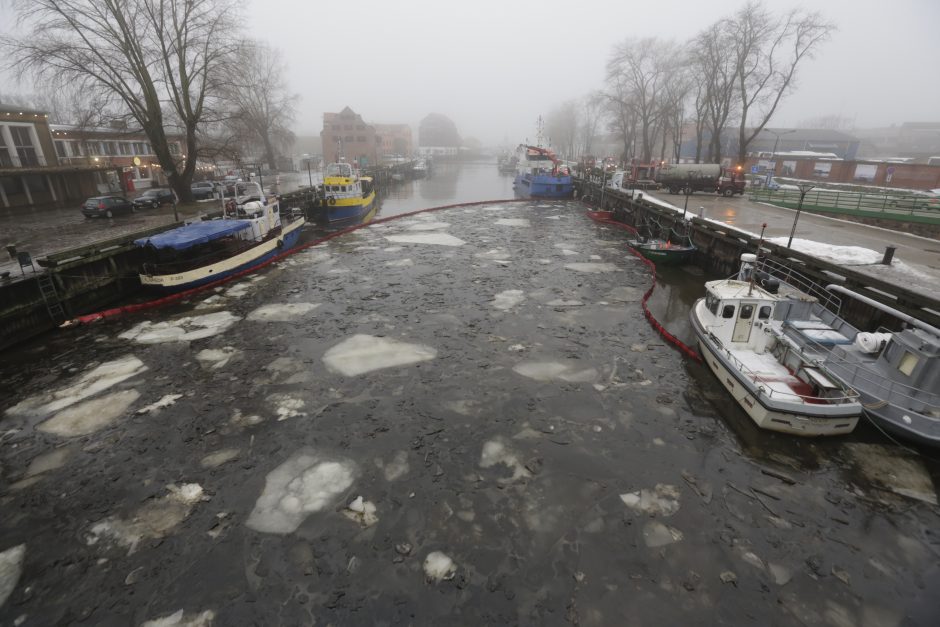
[540, 174]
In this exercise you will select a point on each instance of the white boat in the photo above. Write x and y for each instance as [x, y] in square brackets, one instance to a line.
[207, 251]
[774, 383]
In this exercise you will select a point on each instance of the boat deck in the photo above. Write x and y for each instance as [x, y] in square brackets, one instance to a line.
[764, 370]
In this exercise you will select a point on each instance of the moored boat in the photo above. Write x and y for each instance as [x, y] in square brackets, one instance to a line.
[664, 252]
[346, 198]
[207, 251]
[896, 373]
[540, 174]
[775, 384]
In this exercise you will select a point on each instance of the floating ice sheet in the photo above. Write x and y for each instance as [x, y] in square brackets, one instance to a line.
[513, 222]
[286, 406]
[215, 358]
[439, 566]
[50, 460]
[437, 239]
[570, 371]
[429, 226]
[497, 451]
[182, 329]
[663, 500]
[593, 268]
[508, 299]
[400, 263]
[306, 483]
[91, 415]
[364, 353]
[281, 312]
[11, 567]
[182, 619]
[216, 459]
[656, 534]
[99, 379]
[166, 401]
[396, 468]
[559, 302]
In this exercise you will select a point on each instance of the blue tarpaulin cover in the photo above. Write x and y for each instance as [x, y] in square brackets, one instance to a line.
[194, 234]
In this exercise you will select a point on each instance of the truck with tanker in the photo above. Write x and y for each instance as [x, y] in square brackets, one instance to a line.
[687, 178]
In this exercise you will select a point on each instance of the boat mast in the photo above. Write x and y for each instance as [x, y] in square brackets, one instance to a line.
[760, 242]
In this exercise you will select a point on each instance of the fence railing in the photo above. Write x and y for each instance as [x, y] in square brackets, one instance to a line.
[890, 206]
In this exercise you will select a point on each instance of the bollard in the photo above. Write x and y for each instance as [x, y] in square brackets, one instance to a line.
[701, 212]
[889, 255]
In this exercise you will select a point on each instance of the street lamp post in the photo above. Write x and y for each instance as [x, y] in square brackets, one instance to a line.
[804, 188]
[688, 192]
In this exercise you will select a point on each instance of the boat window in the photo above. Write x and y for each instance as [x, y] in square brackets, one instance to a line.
[908, 363]
[747, 311]
[764, 312]
[711, 303]
[728, 311]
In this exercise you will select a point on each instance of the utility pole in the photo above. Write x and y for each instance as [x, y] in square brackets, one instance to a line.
[804, 188]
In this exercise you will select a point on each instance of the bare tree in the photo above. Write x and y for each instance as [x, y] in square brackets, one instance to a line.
[621, 113]
[642, 68]
[562, 127]
[592, 110]
[262, 107]
[767, 53]
[715, 68]
[161, 59]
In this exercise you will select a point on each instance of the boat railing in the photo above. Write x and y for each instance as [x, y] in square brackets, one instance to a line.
[794, 278]
[823, 357]
[759, 380]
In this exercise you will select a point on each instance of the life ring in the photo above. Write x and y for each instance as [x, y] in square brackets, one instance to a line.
[331, 200]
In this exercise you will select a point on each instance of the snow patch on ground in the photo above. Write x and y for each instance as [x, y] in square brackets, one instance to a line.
[90, 416]
[101, 378]
[154, 519]
[181, 619]
[182, 329]
[663, 500]
[11, 567]
[508, 299]
[166, 401]
[304, 484]
[439, 567]
[360, 354]
[498, 451]
[215, 358]
[437, 239]
[281, 312]
[592, 268]
[571, 372]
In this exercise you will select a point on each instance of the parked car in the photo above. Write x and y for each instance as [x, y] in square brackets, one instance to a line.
[106, 206]
[203, 190]
[154, 198]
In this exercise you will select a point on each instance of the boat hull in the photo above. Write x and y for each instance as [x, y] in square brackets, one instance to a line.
[345, 214]
[666, 256]
[543, 186]
[227, 267]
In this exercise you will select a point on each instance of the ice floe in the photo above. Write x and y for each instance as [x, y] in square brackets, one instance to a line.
[656, 534]
[11, 567]
[154, 519]
[592, 267]
[241, 421]
[97, 380]
[893, 470]
[216, 459]
[439, 567]
[362, 512]
[497, 451]
[286, 406]
[91, 415]
[560, 302]
[513, 222]
[570, 371]
[428, 226]
[508, 299]
[183, 329]
[437, 239]
[364, 353]
[50, 460]
[568, 252]
[166, 401]
[182, 619]
[281, 312]
[625, 294]
[400, 263]
[215, 358]
[663, 500]
[393, 249]
[396, 468]
[304, 484]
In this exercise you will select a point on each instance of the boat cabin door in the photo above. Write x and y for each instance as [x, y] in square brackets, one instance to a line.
[744, 322]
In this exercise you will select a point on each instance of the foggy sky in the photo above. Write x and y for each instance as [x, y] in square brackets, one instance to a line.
[495, 66]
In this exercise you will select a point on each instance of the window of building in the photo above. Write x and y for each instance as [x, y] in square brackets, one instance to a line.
[348, 138]
[36, 183]
[60, 149]
[77, 148]
[361, 139]
[12, 185]
[360, 127]
[23, 144]
[348, 127]
[126, 148]
[5, 160]
[174, 148]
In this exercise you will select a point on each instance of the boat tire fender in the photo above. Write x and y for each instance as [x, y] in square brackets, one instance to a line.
[280, 243]
[331, 200]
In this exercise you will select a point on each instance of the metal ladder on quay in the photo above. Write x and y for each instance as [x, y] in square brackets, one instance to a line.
[51, 298]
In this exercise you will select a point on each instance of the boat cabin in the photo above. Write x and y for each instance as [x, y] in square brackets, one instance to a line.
[733, 307]
[341, 181]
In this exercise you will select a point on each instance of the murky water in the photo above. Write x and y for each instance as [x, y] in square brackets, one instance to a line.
[460, 417]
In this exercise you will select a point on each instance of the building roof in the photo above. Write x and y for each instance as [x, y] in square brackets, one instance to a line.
[806, 134]
[12, 108]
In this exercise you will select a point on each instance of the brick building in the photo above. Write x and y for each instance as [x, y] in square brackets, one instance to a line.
[345, 135]
[395, 139]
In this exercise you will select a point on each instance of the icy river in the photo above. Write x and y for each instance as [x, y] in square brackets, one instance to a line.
[455, 418]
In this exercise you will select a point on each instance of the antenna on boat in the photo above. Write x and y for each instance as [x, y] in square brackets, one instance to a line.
[539, 125]
[750, 283]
